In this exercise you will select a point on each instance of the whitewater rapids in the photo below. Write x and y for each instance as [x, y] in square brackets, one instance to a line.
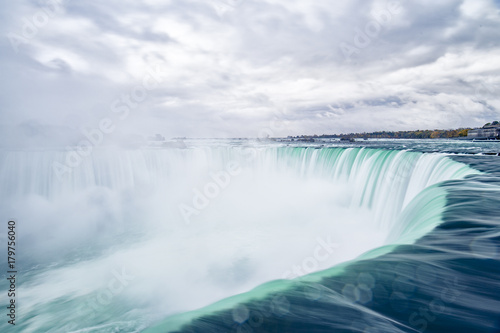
[128, 237]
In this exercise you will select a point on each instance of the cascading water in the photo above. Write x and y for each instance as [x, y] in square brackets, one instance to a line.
[129, 237]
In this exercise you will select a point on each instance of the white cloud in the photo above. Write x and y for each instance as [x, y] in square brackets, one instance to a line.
[226, 73]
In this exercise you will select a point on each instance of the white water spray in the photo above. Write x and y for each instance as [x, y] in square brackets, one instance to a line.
[122, 251]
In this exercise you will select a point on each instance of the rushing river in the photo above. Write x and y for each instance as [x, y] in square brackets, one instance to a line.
[243, 236]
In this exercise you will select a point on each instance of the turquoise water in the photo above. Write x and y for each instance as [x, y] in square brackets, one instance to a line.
[243, 236]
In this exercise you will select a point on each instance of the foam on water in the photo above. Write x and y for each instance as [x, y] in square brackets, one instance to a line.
[129, 237]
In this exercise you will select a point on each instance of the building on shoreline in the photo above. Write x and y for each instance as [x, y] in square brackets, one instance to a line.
[487, 132]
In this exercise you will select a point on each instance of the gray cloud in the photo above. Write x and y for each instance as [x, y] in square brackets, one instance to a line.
[228, 67]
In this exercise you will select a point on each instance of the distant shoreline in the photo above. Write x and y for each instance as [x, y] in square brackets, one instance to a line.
[460, 133]
[489, 132]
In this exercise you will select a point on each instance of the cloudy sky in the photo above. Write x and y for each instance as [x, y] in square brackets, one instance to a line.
[235, 68]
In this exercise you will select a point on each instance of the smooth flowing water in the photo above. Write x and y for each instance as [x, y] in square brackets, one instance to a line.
[251, 237]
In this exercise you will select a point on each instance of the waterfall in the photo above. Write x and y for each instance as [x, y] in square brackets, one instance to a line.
[200, 224]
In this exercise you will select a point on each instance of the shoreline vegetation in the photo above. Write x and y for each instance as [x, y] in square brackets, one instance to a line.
[418, 134]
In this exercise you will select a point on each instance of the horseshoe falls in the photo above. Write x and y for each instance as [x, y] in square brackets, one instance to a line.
[242, 236]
